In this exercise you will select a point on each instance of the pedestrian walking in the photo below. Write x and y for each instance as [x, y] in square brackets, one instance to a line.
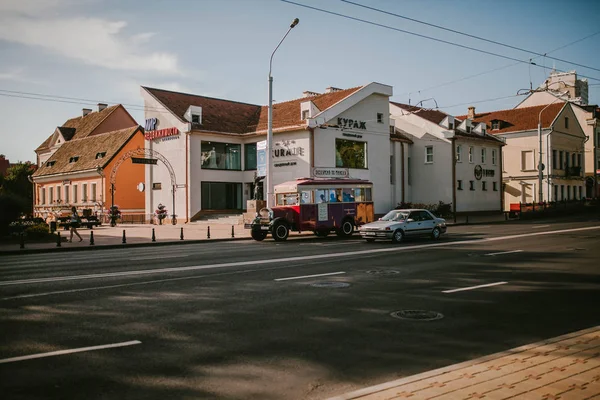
[75, 221]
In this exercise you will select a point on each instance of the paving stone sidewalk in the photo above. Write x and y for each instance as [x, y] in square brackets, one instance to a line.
[566, 368]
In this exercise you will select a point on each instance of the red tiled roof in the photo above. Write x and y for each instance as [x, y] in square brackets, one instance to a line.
[434, 116]
[228, 116]
[518, 119]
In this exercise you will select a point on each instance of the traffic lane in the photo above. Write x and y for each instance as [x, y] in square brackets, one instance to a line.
[281, 338]
[174, 271]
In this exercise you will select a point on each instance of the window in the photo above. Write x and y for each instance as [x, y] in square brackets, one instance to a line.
[51, 194]
[84, 193]
[451, 125]
[380, 118]
[307, 197]
[322, 196]
[75, 198]
[527, 160]
[483, 154]
[468, 129]
[58, 193]
[459, 184]
[459, 153]
[221, 196]
[43, 199]
[250, 156]
[195, 119]
[408, 171]
[579, 160]
[428, 154]
[562, 192]
[554, 158]
[73, 159]
[494, 157]
[392, 169]
[560, 160]
[471, 154]
[495, 125]
[495, 186]
[100, 155]
[67, 191]
[305, 114]
[156, 186]
[555, 192]
[568, 192]
[347, 195]
[217, 155]
[471, 185]
[566, 159]
[598, 163]
[350, 154]
[566, 122]
[573, 160]
[93, 197]
[483, 185]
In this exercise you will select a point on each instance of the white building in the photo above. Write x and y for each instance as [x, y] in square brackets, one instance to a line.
[211, 145]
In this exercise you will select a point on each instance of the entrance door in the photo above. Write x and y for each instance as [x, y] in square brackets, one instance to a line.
[221, 196]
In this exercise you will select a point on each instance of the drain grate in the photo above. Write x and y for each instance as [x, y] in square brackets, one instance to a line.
[330, 284]
[417, 315]
[382, 272]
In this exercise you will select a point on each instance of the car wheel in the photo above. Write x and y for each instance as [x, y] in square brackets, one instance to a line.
[321, 233]
[370, 240]
[280, 231]
[346, 229]
[435, 234]
[258, 235]
[398, 236]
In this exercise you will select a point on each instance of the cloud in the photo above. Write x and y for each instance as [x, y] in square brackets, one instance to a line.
[17, 75]
[93, 41]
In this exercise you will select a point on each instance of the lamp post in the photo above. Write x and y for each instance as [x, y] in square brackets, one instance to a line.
[269, 149]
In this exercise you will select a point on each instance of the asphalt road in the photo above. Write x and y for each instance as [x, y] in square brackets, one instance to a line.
[224, 320]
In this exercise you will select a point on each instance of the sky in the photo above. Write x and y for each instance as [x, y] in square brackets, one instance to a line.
[59, 56]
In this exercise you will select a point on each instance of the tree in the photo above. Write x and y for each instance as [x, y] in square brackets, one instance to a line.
[16, 183]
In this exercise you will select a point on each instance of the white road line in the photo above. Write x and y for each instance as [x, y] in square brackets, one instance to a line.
[503, 252]
[474, 287]
[157, 257]
[289, 259]
[309, 276]
[61, 352]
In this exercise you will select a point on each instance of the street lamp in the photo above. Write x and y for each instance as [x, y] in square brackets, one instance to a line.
[270, 123]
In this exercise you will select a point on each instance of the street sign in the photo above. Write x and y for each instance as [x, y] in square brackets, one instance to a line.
[261, 158]
[151, 161]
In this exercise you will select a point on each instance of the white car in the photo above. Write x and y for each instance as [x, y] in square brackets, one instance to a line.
[398, 224]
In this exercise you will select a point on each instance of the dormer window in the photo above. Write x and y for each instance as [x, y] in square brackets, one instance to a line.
[451, 125]
[305, 114]
[195, 119]
[73, 159]
[100, 155]
[496, 124]
[468, 129]
[50, 163]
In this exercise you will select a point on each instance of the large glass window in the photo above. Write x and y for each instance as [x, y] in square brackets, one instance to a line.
[362, 194]
[221, 196]
[216, 155]
[321, 195]
[350, 154]
[250, 156]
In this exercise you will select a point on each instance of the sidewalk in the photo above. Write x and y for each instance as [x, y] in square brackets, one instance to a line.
[566, 368]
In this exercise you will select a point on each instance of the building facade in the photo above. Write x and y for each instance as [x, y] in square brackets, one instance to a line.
[211, 145]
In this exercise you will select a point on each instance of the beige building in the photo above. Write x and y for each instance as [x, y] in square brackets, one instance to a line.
[562, 150]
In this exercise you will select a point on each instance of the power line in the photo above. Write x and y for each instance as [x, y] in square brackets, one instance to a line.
[419, 35]
[469, 35]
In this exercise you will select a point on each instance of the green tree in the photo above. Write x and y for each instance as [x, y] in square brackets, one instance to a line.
[16, 184]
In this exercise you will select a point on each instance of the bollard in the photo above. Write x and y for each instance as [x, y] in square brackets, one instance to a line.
[153, 235]
[208, 233]
[91, 227]
[124, 238]
[58, 239]
[232, 232]
[22, 241]
[181, 235]
[91, 238]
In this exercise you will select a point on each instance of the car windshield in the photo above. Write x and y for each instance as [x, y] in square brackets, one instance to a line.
[395, 216]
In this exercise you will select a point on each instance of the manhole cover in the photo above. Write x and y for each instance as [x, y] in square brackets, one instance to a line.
[418, 315]
[330, 284]
[382, 272]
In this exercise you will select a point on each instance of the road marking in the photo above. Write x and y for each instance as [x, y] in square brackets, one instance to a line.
[157, 257]
[539, 226]
[308, 276]
[503, 252]
[287, 259]
[61, 352]
[474, 287]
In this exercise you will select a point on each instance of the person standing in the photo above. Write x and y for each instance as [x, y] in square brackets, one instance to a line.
[74, 224]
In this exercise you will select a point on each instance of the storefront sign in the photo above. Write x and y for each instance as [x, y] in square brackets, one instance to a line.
[261, 158]
[354, 135]
[161, 133]
[66, 182]
[350, 123]
[285, 149]
[322, 212]
[151, 161]
[285, 164]
[151, 124]
[480, 172]
[318, 172]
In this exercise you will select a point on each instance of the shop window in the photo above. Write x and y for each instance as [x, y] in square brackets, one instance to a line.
[459, 184]
[156, 186]
[350, 154]
[459, 153]
[221, 195]
[250, 156]
[428, 154]
[471, 185]
[224, 156]
[380, 118]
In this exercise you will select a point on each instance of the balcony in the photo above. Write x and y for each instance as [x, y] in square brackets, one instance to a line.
[573, 172]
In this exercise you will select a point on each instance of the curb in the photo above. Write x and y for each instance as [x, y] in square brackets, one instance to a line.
[444, 370]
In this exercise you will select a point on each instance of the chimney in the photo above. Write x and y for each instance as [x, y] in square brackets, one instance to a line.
[471, 113]
[332, 89]
[102, 106]
[86, 111]
[310, 94]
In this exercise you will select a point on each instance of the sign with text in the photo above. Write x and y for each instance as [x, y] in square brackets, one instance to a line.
[320, 172]
[161, 133]
[261, 158]
[322, 214]
[137, 160]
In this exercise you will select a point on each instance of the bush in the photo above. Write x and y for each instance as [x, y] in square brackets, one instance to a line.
[12, 206]
[38, 231]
